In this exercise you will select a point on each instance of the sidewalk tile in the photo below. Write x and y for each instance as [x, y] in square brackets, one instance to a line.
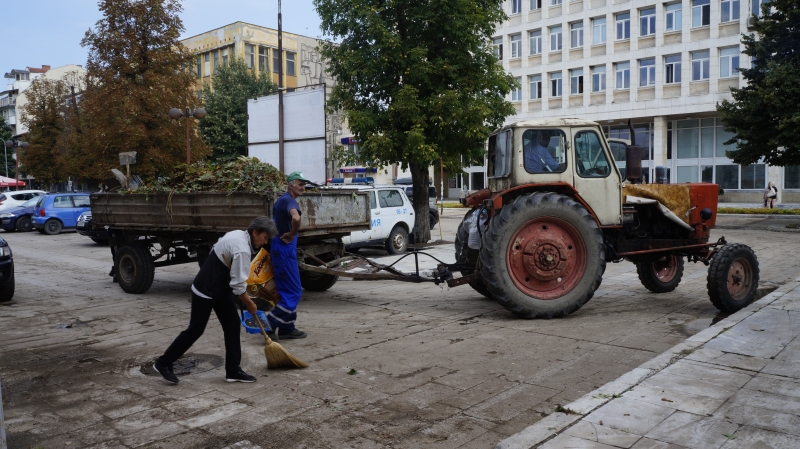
[569, 442]
[691, 386]
[783, 368]
[709, 373]
[780, 403]
[754, 438]
[775, 385]
[716, 357]
[244, 444]
[674, 398]
[602, 434]
[760, 417]
[630, 415]
[152, 434]
[690, 430]
[541, 430]
[214, 414]
[647, 443]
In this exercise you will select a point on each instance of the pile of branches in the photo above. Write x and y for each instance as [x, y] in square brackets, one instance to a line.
[244, 174]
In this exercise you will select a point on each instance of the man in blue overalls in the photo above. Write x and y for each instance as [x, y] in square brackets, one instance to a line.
[286, 214]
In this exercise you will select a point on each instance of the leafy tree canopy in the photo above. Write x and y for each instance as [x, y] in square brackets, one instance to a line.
[137, 70]
[45, 115]
[765, 114]
[417, 81]
[225, 126]
[5, 134]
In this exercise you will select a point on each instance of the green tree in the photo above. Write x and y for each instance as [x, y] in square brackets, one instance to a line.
[46, 118]
[225, 127]
[417, 82]
[765, 114]
[136, 71]
[5, 135]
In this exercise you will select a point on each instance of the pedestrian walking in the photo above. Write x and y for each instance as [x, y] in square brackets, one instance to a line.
[770, 195]
[221, 279]
[286, 213]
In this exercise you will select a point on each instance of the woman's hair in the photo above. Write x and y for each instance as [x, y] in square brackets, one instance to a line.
[263, 224]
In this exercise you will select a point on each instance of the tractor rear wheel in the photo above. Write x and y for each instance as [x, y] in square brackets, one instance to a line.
[462, 235]
[543, 256]
[663, 275]
[733, 277]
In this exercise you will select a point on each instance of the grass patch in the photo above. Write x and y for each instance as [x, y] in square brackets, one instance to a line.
[452, 205]
[566, 411]
[757, 210]
[606, 396]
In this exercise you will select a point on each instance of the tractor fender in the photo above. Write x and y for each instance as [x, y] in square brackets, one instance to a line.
[509, 195]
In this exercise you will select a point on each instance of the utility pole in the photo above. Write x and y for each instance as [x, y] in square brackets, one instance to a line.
[280, 88]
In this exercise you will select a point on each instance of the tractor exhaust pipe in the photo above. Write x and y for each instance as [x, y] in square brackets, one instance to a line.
[633, 159]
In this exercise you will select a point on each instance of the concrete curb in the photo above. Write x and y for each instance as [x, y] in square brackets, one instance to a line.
[777, 229]
[778, 216]
[555, 423]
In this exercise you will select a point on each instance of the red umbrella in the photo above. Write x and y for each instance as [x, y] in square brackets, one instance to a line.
[10, 182]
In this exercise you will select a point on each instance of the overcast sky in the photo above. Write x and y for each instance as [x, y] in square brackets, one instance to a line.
[49, 32]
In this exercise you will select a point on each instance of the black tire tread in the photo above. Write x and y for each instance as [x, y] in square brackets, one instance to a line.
[648, 277]
[316, 282]
[46, 225]
[717, 280]
[491, 256]
[25, 219]
[7, 291]
[389, 246]
[141, 254]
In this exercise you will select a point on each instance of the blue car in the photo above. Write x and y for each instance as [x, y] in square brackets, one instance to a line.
[19, 218]
[59, 211]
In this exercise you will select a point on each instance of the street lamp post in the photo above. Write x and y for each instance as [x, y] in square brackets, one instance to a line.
[176, 114]
[14, 144]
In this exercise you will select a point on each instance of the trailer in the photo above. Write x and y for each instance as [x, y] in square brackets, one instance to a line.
[147, 231]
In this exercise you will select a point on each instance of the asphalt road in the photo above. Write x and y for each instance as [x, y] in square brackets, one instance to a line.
[392, 364]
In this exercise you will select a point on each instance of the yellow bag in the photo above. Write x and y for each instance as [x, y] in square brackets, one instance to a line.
[261, 283]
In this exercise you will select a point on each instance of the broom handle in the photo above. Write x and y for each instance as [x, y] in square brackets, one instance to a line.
[261, 326]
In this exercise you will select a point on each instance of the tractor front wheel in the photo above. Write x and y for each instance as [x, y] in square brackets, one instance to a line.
[733, 277]
[543, 256]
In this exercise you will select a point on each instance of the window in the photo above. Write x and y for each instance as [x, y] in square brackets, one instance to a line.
[536, 41]
[535, 83]
[730, 10]
[216, 62]
[499, 155]
[81, 201]
[728, 176]
[622, 71]
[673, 17]
[707, 173]
[536, 4]
[555, 2]
[576, 81]
[647, 72]
[590, 157]
[599, 30]
[754, 177]
[516, 45]
[263, 59]
[543, 151]
[728, 62]
[791, 177]
[250, 56]
[207, 64]
[687, 173]
[199, 67]
[623, 26]
[555, 84]
[516, 92]
[701, 13]
[62, 201]
[599, 78]
[497, 46]
[576, 35]
[290, 65]
[516, 6]
[276, 61]
[373, 204]
[390, 198]
[722, 136]
[224, 56]
[757, 6]
[555, 39]
[700, 65]
[647, 21]
[672, 68]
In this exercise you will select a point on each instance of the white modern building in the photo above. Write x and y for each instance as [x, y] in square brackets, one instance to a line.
[665, 65]
[18, 80]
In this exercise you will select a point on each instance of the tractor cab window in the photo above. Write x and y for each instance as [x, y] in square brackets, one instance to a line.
[591, 160]
[544, 151]
[500, 152]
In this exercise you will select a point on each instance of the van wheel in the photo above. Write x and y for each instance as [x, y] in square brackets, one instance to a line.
[52, 227]
[397, 243]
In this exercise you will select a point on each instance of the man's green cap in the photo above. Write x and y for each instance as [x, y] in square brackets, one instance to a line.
[297, 176]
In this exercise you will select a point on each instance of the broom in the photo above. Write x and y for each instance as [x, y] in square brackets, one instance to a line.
[277, 357]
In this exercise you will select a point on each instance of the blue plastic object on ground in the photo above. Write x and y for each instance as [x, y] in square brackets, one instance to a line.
[254, 329]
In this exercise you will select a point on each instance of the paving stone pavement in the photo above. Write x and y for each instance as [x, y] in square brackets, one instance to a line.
[733, 385]
[431, 366]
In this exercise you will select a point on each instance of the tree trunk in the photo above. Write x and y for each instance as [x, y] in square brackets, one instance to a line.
[419, 177]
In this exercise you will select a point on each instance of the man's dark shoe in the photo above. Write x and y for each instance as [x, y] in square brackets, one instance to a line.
[293, 335]
[165, 371]
[239, 376]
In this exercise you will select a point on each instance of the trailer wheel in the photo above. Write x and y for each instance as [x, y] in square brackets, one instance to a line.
[317, 282]
[543, 256]
[135, 269]
[733, 277]
[462, 235]
[663, 275]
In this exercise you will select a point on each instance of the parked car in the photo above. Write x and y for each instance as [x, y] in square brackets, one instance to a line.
[84, 228]
[6, 272]
[433, 212]
[59, 211]
[14, 198]
[392, 219]
[19, 218]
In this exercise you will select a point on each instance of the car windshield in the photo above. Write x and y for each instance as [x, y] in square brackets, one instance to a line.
[31, 202]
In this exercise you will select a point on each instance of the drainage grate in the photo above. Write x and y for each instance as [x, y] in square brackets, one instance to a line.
[188, 364]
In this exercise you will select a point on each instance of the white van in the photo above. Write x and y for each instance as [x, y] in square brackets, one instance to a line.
[392, 220]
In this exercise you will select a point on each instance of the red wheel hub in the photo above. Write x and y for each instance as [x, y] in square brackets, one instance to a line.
[666, 268]
[546, 258]
[740, 277]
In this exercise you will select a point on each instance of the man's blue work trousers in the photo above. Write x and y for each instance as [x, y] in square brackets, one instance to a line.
[287, 280]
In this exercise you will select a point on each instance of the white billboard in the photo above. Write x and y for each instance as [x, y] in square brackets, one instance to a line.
[303, 131]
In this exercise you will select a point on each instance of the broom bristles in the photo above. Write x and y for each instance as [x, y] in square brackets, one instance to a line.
[278, 357]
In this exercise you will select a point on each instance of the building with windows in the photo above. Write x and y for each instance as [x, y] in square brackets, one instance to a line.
[18, 80]
[663, 64]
